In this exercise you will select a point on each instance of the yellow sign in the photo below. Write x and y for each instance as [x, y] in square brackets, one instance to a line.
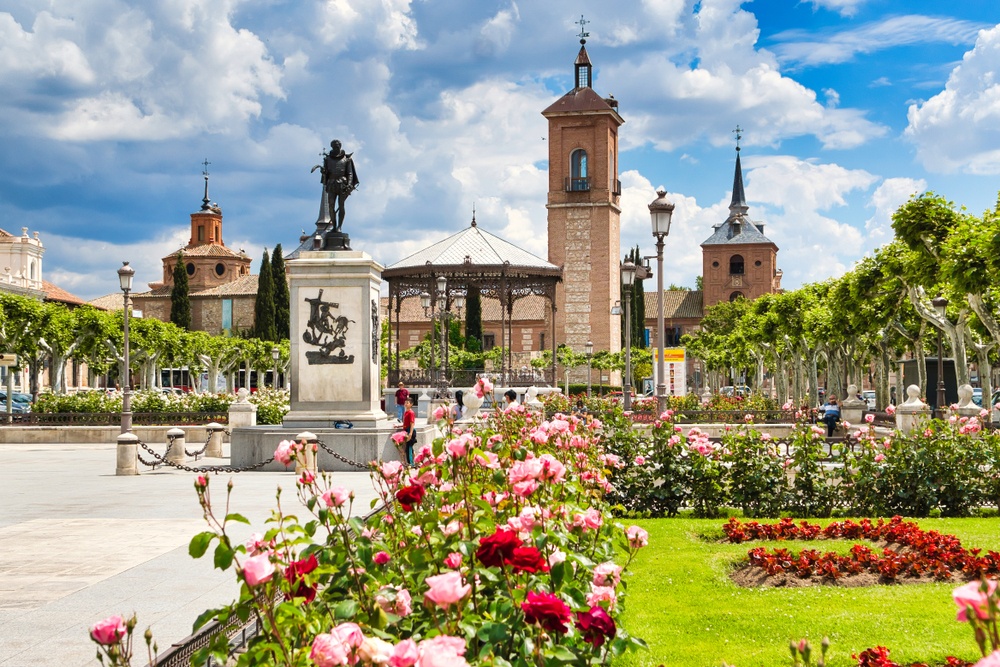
[671, 355]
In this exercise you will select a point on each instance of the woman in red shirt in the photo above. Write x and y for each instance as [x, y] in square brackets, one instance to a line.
[410, 427]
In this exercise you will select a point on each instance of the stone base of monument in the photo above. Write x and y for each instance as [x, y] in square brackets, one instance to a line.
[361, 445]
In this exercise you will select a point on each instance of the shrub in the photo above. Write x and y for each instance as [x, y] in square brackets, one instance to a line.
[757, 480]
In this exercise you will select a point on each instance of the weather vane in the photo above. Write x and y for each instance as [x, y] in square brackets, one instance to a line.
[205, 203]
[739, 135]
[583, 33]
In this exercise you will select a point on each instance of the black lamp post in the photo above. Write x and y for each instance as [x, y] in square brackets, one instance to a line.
[628, 279]
[660, 211]
[941, 306]
[125, 275]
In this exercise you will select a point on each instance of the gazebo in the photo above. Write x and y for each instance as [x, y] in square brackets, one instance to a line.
[475, 259]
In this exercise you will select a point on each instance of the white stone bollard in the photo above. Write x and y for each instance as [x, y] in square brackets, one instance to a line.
[852, 408]
[127, 454]
[175, 450]
[308, 461]
[214, 447]
[910, 413]
[241, 411]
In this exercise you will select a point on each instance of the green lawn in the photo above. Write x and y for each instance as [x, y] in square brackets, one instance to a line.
[681, 601]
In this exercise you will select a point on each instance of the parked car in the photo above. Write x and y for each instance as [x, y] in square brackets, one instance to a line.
[869, 396]
[739, 390]
[20, 407]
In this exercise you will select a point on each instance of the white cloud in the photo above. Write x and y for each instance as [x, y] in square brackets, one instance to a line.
[959, 128]
[388, 22]
[889, 196]
[496, 33]
[842, 7]
[812, 48]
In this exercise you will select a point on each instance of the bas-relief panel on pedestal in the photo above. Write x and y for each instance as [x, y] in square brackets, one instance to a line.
[333, 339]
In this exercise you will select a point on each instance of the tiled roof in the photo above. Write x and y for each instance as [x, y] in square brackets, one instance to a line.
[242, 286]
[579, 99]
[677, 304]
[5, 234]
[480, 247]
[526, 309]
[113, 301]
[54, 293]
[725, 234]
[206, 250]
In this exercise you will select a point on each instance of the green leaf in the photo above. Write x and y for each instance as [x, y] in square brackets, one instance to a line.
[562, 654]
[199, 544]
[223, 556]
[346, 609]
[239, 518]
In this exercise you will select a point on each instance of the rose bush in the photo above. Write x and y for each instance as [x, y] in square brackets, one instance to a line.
[495, 549]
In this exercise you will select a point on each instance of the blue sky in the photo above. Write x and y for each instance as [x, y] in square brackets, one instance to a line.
[108, 108]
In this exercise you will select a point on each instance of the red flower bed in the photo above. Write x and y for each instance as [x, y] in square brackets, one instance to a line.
[920, 553]
[879, 657]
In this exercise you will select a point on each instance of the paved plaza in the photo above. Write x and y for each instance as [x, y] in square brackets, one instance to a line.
[78, 544]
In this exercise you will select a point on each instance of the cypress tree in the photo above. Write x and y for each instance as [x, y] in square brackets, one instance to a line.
[264, 307]
[638, 306]
[282, 317]
[473, 318]
[180, 301]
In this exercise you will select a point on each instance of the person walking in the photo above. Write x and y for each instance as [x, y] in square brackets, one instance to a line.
[831, 415]
[401, 395]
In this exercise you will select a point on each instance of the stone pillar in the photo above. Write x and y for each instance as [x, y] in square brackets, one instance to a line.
[214, 448]
[966, 408]
[127, 453]
[242, 412]
[910, 413]
[308, 460]
[531, 400]
[852, 408]
[175, 448]
[706, 396]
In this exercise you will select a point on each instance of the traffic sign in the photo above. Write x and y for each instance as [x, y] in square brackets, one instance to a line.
[8, 359]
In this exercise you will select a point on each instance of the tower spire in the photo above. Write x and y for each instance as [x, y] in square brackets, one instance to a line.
[583, 69]
[205, 204]
[738, 206]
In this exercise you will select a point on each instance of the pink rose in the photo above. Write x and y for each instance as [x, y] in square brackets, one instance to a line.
[525, 488]
[607, 574]
[488, 460]
[336, 496]
[442, 651]
[381, 558]
[284, 452]
[405, 654]
[201, 482]
[446, 589]
[890, 410]
[258, 569]
[640, 460]
[399, 437]
[879, 458]
[452, 528]
[869, 418]
[375, 651]
[971, 595]
[394, 601]
[637, 537]
[453, 560]
[439, 413]
[992, 660]
[456, 448]
[109, 631]
[349, 633]
[329, 651]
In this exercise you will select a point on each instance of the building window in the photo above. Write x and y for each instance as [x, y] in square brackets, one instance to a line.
[489, 342]
[220, 269]
[757, 263]
[227, 314]
[578, 181]
[736, 295]
[715, 265]
[190, 269]
[541, 340]
[201, 234]
[736, 265]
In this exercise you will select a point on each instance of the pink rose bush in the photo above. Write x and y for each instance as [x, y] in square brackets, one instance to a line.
[497, 539]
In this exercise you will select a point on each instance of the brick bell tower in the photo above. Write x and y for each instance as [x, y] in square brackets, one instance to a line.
[584, 212]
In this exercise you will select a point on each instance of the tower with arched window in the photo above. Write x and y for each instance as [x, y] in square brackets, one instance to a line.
[738, 261]
[583, 211]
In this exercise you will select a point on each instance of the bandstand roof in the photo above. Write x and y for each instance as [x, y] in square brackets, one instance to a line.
[472, 247]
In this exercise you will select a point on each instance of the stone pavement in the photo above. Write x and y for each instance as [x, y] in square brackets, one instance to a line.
[78, 544]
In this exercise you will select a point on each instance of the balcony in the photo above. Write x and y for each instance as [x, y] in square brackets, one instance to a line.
[577, 184]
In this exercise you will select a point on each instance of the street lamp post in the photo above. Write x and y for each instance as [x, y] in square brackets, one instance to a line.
[589, 349]
[125, 275]
[660, 212]
[275, 354]
[437, 308]
[425, 301]
[628, 279]
[941, 306]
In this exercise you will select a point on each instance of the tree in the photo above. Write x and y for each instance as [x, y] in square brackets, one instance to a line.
[180, 301]
[282, 318]
[637, 305]
[264, 328]
[473, 317]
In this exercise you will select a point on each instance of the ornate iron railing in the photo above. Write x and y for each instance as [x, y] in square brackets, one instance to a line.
[114, 418]
[460, 378]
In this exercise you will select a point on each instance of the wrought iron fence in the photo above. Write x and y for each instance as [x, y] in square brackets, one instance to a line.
[115, 418]
[460, 378]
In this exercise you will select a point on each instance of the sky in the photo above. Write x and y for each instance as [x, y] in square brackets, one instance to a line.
[108, 109]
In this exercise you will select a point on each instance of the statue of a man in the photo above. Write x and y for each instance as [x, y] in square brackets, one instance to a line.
[339, 179]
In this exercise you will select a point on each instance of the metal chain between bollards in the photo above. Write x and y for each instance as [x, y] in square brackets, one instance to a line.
[201, 451]
[216, 469]
[341, 457]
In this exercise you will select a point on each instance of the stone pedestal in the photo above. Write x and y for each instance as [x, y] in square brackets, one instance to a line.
[852, 408]
[910, 414]
[242, 414]
[335, 341]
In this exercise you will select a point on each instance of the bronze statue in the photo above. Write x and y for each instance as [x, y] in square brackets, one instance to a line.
[339, 178]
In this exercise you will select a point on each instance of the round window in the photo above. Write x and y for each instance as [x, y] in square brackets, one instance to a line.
[190, 269]
[220, 268]
[715, 265]
[757, 263]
